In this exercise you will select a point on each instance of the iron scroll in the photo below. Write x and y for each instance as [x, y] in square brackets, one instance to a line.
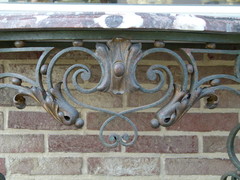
[118, 60]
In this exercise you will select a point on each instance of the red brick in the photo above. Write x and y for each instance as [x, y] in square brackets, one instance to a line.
[206, 122]
[194, 166]
[137, 98]
[141, 75]
[166, 144]
[169, 57]
[212, 70]
[140, 119]
[34, 120]
[228, 100]
[21, 55]
[77, 143]
[59, 70]
[159, 57]
[224, 57]
[116, 166]
[213, 144]
[1, 121]
[2, 166]
[205, 71]
[28, 70]
[21, 143]
[46, 166]
[100, 99]
[6, 98]
[77, 55]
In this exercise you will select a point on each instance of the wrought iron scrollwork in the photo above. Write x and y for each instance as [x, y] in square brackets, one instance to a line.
[118, 61]
[184, 98]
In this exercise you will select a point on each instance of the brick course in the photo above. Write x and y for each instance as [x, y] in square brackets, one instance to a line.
[46, 166]
[77, 143]
[197, 166]
[21, 143]
[34, 121]
[166, 144]
[125, 166]
[204, 122]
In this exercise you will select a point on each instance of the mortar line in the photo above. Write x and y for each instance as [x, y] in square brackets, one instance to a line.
[200, 143]
[5, 118]
[46, 145]
[84, 165]
[162, 167]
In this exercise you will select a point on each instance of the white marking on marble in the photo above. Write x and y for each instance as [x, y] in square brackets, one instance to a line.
[131, 20]
[4, 20]
[189, 22]
[40, 18]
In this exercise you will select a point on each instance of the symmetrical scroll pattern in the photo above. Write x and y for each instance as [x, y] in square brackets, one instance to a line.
[118, 61]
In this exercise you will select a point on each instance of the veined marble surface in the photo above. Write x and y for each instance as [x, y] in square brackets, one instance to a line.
[142, 17]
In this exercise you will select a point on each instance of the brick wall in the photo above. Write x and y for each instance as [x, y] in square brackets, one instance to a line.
[35, 147]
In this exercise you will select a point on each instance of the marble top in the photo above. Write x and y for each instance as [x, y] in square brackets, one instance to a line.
[140, 17]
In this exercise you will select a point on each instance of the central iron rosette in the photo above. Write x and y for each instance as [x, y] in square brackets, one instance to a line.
[119, 57]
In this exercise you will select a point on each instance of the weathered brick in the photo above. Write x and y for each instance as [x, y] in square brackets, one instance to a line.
[21, 143]
[166, 144]
[77, 143]
[136, 99]
[177, 74]
[59, 70]
[140, 119]
[213, 144]
[100, 99]
[46, 166]
[206, 122]
[195, 166]
[34, 120]
[205, 71]
[28, 70]
[212, 56]
[169, 57]
[227, 100]
[212, 70]
[159, 57]
[6, 98]
[2, 166]
[1, 121]
[123, 166]
[21, 55]
[77, 55]
[141, 75]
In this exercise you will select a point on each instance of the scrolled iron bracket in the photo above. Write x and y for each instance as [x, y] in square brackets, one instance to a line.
[118, 60]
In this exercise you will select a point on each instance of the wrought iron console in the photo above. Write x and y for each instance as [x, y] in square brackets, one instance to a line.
[118, 54]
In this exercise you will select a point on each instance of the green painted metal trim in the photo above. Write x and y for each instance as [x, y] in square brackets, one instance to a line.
[38, 35]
